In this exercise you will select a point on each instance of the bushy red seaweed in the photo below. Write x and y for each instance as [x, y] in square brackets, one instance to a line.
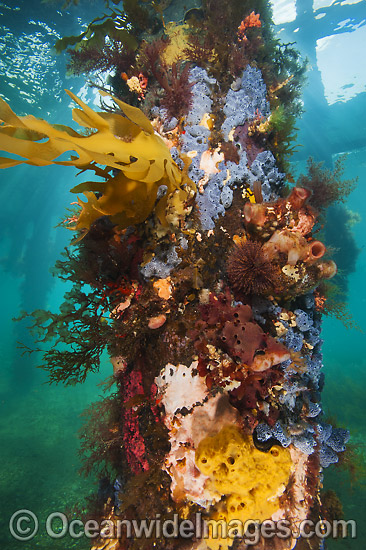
[327, 186]
[174, 81]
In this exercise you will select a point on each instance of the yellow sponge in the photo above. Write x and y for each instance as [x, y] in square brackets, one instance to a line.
[250, 481]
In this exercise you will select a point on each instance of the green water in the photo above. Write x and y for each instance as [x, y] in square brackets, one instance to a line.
[345, 368]
[39, 451]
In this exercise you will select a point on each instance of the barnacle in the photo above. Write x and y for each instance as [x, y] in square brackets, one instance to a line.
[137, 160]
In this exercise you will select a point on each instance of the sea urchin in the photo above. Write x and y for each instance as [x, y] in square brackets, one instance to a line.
[249, 271]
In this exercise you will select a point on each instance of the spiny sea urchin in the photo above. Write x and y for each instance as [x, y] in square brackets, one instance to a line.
[249, 271]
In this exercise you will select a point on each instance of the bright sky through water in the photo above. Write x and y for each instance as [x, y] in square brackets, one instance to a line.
[283, 11]
[344, 76]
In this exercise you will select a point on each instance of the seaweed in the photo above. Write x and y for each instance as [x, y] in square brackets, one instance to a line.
[199, 50]
[213, 40]
[177, 94]
[327, 186]
[155, 435]
[79, 335]
[93, 49]
[150, 57]
[146, 495]
[137, 14]
[282, 134]
[101, 440]
[113, 56]
[125, 144]
[81, 330]
[105, 260]
[284, 77]
[98, 29]
[352, 461]
[328, 300]
[339, 236]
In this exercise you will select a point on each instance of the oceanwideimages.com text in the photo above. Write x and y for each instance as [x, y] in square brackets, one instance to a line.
[24, 525]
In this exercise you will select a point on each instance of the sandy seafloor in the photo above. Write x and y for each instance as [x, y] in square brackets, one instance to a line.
[38, 431]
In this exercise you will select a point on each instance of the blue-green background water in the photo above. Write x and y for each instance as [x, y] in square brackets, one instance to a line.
[38, 450]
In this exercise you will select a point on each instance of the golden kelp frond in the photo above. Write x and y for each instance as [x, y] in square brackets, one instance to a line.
[126, 143]
[126, 201]
[135, 138]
